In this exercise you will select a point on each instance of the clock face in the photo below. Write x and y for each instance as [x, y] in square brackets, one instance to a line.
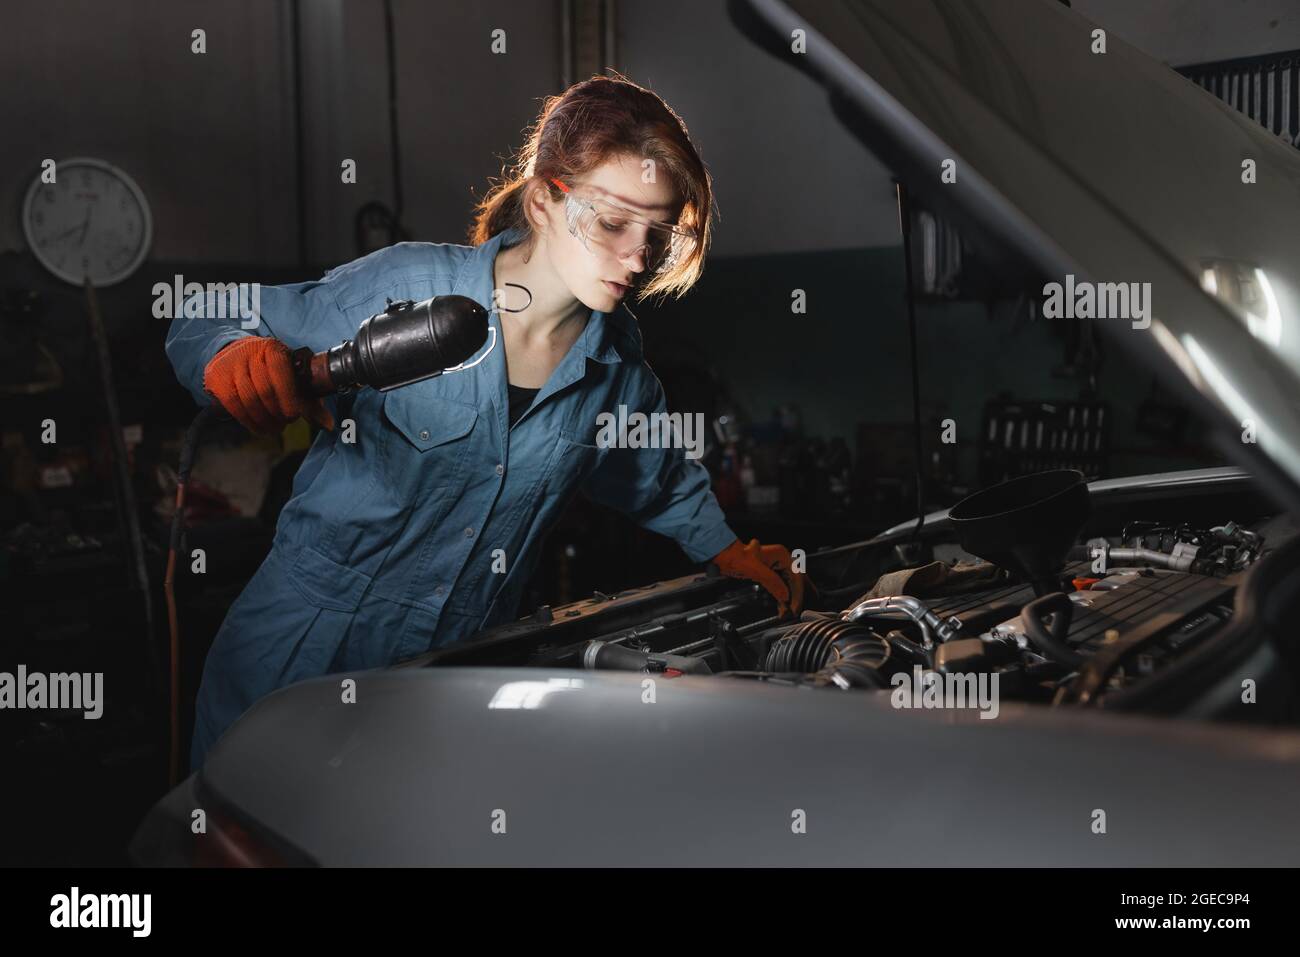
[93, 222]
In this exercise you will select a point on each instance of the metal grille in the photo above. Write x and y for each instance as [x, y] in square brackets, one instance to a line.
[1262, 87]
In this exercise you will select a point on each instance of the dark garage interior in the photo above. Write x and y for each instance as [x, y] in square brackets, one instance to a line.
[845, 389]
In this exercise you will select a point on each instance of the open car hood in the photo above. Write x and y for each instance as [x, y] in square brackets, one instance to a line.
[1108, 166]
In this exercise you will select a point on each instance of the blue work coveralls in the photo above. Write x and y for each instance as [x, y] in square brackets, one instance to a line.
[386, 547]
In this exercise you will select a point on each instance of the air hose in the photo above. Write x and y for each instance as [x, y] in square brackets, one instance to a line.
[193, 434]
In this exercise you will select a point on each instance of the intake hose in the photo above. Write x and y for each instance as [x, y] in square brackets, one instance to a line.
[604, 656]
[1051, 642]
[835, 651]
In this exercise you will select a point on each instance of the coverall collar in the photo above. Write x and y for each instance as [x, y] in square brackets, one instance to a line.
[607, 338]
[600, 340]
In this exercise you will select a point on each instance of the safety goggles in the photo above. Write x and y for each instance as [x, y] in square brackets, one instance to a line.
[607, 229]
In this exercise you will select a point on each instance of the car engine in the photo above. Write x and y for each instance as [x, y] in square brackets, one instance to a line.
[1060, 620]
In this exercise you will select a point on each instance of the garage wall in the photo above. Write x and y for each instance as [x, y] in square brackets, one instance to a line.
[788, 178]
[203, 135]
[462, 109]
[210, 138]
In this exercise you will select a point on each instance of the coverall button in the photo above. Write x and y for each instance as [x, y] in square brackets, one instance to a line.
[424, 434]
[469, 533]
[438, 591]
[501, 469]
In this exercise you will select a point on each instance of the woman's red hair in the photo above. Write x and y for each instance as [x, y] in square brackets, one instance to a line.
[591, 122]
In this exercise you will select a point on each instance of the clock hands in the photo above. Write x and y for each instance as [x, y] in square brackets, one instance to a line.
[66, 232]
[85, 226]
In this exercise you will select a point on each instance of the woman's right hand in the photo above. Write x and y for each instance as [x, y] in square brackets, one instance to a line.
[253, 380]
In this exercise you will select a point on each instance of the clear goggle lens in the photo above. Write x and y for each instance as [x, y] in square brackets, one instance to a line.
[608, 229]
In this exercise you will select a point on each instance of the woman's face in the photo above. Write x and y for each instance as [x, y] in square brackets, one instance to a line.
[601, 273]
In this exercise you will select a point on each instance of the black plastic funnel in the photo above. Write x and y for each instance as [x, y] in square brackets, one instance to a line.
[1026, 525]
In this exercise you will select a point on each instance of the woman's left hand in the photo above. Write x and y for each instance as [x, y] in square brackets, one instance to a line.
[770, 566]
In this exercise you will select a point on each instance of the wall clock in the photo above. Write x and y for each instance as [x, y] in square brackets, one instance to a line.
[92, 221]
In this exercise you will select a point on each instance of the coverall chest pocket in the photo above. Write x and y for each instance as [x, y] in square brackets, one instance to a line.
[428, 442]
[576, 455]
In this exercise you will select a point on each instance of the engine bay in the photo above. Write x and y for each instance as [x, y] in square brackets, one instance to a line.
[1061, 618]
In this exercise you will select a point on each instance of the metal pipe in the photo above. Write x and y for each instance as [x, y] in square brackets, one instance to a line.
[932, 626]
[1115, 557]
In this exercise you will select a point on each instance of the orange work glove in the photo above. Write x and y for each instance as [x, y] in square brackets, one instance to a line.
[761, 563]
[253, 380]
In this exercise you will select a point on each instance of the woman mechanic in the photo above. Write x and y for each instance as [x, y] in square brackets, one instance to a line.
[394, 542]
